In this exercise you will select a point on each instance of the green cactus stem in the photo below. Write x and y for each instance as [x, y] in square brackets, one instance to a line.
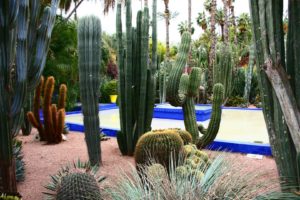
[173, 97]
[136, 79]
[210, 133]
[89, 54]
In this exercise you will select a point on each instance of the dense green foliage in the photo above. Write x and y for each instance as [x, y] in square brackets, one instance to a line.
[108, 88]
[62, 60]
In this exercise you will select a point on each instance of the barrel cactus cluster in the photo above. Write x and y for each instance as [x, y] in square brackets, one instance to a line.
[136, 76]
[89, 54]
[195, 163]
[54, 115]
[159, 146]
[182, 90]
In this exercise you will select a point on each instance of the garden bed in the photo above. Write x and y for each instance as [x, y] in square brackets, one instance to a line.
[43, 160]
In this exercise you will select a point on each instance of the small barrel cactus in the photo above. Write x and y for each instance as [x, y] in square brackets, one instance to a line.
[78, 186]
[159, 146]
[79, 181]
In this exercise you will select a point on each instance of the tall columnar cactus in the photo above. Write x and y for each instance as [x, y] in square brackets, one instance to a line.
[278, 75]
[89, 54]
[182, 90]
[16, 77]
[136, 78]
[249, 74]
[223, 70]
[54, 115]
[158, 146]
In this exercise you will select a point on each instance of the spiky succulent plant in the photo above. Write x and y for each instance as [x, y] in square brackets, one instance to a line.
[79, 181]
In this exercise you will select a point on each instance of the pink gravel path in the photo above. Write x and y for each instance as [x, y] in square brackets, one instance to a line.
[43, 160]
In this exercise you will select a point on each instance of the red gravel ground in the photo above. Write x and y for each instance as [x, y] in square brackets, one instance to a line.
[43, 160]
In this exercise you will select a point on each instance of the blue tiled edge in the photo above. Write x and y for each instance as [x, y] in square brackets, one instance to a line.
[217, 145]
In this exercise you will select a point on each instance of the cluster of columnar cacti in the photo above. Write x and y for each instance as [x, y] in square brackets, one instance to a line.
[54, 115]
[278, 77]
[223, 69]
[182, 90]
[158, 146]
[15, 43]
[136, 77]
[89, 54]
[77, 182]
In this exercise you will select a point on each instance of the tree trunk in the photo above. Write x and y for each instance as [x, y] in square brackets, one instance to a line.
[213, 41]
[226, 22]
[233, 24]
[8, 177]
[222, 32]
[75, 11]
[167, 21]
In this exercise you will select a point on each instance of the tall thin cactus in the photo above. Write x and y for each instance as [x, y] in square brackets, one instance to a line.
[182, 90]
[278, 76]
[136, 77]
[15, 76]
[89, 54]
[249, 74]
[223, 69]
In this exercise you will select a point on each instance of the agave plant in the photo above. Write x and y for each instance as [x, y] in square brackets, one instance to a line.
[221, 180]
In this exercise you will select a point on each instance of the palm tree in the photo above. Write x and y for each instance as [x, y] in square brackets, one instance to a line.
[190, 16]
[226, 22]
[220, 19]
[231, 6]
[243, 25]
[210, 6]
[184, 26]
[202, 21]
[167, 21]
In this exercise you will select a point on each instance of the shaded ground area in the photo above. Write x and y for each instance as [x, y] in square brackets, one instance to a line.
[44, 160]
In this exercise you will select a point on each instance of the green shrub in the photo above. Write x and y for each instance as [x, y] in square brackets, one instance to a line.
[108, 88]
[236, 101]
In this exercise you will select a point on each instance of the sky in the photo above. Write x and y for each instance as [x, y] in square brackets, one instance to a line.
[180, 6]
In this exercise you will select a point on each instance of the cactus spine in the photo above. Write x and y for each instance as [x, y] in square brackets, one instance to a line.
[54, 117]
[14, 27]
[136, 79]
[182, 90]
[89, 54]
[270, 50]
